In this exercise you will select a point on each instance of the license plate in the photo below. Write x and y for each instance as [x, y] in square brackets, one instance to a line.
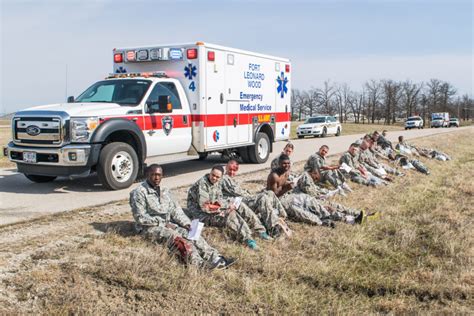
[29, 157]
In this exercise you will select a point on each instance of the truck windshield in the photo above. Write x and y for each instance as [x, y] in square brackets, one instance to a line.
[315, 120]
[123, 92]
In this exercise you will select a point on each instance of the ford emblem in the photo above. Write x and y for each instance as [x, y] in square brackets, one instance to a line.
[33, 130]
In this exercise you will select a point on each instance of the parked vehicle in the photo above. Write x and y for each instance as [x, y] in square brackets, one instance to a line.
[319, 126]
[414, 122]
[440, 119]
[454, 122]
[188, 99]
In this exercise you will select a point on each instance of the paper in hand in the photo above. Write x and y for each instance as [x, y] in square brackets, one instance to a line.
[237, 201]
[196, 229]
[345, 167]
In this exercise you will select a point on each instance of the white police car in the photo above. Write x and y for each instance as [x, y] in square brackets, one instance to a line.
[319, 126]
[414, 122]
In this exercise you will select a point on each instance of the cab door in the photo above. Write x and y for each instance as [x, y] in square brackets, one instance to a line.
[168, 133]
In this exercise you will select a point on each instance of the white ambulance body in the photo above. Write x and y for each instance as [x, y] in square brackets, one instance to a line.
[161, 100]
[230, 92]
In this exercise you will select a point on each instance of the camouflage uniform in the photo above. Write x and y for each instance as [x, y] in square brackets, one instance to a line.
[353, 162]
[265, 203]
[383, 142]
[372, 154]
[307, 185]
[301, 208]
[316, 161]
[154, 209]
[204, 191]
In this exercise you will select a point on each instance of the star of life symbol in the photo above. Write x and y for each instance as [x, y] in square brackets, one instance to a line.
[121, 70]
[190, 71]
[282, 81]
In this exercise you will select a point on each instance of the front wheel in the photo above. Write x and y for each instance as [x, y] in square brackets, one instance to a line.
[325, 132]
[299, 136]
[259, 152]
[118, 166]
[39, 179]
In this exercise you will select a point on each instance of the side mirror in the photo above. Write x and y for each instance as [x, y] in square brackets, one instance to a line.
[163, 105]
[70, 99]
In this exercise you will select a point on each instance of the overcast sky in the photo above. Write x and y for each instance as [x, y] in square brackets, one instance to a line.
[342, 41]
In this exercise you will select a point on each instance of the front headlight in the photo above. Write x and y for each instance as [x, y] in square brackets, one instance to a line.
[82, 128]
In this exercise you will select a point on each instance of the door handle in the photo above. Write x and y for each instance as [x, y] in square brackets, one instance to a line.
[185, 119]
[151, 132]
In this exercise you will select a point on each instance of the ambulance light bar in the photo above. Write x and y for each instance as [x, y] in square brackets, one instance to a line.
[155, 74]
[152, 54]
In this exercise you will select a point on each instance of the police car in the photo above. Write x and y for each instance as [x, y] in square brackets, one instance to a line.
[319, 126]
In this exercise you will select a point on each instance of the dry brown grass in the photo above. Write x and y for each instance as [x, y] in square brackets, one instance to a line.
[416, 259]
[352, 128]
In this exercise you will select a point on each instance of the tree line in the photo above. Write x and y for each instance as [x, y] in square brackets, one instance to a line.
[382, 101]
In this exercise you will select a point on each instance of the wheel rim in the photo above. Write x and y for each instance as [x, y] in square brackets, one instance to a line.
[122, 166]
[262, 148]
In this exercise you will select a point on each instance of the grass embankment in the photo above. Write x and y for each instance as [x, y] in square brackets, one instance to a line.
[416, 258]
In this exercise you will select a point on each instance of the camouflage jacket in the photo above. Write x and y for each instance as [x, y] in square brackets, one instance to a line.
[315, 161]
[203, 191]
[230, 188]
[306, 185]
[152, 207]
[351, 161]
[368, 158]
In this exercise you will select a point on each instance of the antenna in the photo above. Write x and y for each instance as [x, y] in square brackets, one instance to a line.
[65, 97]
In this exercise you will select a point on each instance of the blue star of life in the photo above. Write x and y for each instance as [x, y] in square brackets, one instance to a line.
[190, 71]
[121, 70]
[282, 81]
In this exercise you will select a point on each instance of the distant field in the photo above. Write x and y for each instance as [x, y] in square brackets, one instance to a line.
[352, 128]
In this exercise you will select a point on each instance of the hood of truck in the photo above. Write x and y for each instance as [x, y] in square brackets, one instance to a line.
[86, 109]
[310, 125]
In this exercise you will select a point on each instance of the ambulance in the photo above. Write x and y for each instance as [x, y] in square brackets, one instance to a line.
[160, 101]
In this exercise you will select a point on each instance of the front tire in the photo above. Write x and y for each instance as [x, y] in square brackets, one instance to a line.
[259, 152]
[299, 136]
[118, 166]
[325, 132]
[39, 179]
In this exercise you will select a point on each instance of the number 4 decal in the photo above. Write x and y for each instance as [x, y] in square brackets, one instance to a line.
[192, 86]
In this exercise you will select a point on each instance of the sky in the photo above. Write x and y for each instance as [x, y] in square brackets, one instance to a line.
[52, 49]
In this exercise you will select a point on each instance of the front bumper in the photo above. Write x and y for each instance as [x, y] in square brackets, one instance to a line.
[62, 161]
[309, 132]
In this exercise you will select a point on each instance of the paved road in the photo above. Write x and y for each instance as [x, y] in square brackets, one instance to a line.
[21, 199]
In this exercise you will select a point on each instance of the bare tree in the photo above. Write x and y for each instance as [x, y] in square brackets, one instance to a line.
[326, 95]
[373, 98]
[410, 97]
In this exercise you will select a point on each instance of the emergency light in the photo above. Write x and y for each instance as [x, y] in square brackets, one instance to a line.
[192, 53]
[211, 56]
[287, 68]
[130, 55]
[118, 58]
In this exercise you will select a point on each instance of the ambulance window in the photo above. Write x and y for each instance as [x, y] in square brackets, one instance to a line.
[166, 88]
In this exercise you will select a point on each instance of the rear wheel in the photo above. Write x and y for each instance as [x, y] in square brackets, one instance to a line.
[40, 179]
[259, 152]
[338, 131]
[118, 166]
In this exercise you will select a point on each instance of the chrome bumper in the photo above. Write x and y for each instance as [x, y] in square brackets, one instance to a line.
[70, 155]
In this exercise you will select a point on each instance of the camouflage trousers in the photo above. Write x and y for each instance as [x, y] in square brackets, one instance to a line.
[391, 170]
[268, 207]
[202, 254]
[357, 178]
[238, 222]
[419, 166]
[300, 208]
[343, 210]
[334, 177]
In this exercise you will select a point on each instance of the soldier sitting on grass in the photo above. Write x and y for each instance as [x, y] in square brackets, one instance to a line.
[207, 203]
[159, 218]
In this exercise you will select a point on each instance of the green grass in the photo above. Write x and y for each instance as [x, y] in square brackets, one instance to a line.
[416, 259]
